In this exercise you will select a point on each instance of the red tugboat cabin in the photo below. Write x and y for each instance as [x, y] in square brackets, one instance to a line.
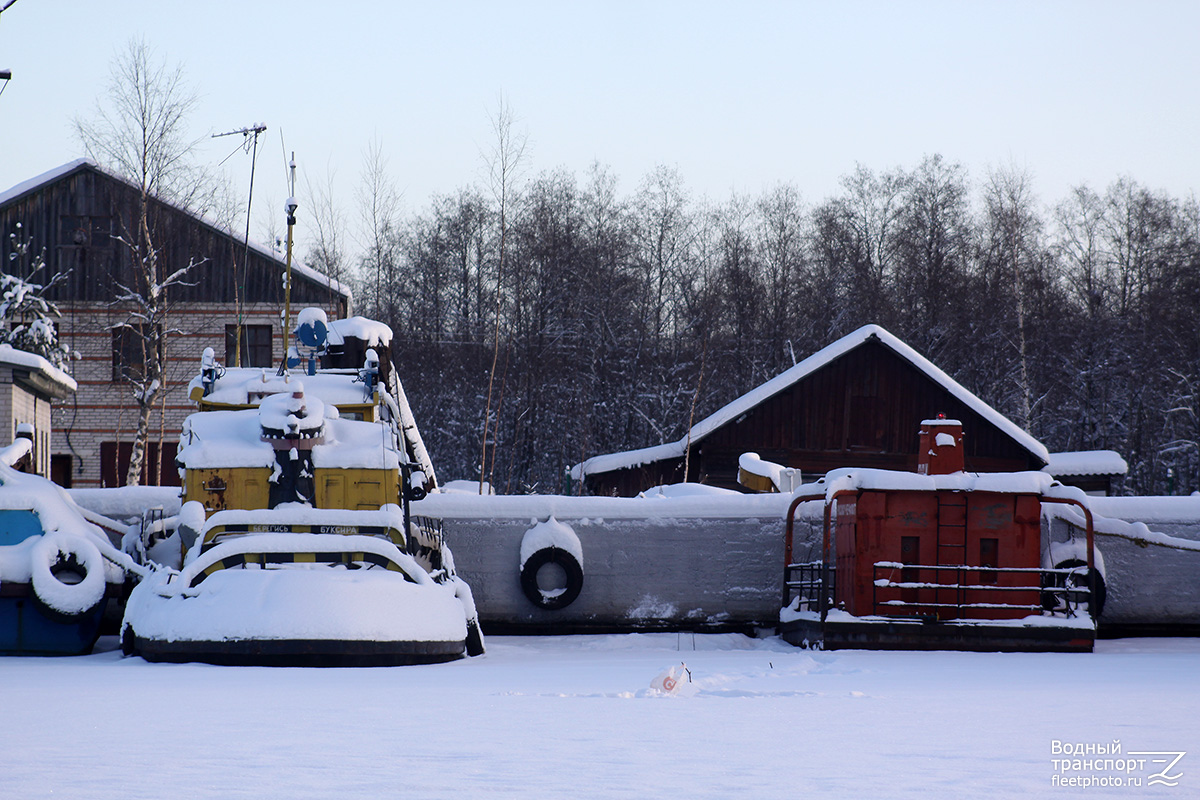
[937, 560]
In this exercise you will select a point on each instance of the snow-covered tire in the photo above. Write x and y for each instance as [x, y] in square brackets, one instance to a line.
[1094, 578]
[67, 574]
[556, 599]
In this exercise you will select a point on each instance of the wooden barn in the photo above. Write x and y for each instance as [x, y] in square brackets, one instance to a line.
[857, 403]
[77, 215]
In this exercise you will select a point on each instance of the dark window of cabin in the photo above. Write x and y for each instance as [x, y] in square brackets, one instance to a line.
[989, 556]
[256, 345]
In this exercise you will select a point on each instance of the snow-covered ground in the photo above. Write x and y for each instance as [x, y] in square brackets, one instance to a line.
[551, 717]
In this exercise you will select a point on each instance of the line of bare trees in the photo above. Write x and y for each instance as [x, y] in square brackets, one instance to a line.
[542, 320]
[1079, 319]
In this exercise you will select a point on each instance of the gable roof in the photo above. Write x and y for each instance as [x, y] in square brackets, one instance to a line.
[763, 392]
[23, 188]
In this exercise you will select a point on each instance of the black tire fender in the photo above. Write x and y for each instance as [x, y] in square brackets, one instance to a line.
[568, 563]
[1095, 581]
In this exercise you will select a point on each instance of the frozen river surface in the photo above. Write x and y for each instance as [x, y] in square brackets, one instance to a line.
[574, 716]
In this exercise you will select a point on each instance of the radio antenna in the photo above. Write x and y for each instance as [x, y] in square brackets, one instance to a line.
[252, 145]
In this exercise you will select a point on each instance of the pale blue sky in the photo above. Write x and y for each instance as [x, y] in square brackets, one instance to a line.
[738, 96]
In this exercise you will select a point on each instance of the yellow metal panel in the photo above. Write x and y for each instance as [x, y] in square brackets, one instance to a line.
[758, 483]
[359, 411]
[357, 488]
[222, 488]
[331, 488]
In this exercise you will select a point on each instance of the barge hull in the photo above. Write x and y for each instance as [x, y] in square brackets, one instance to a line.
[904, 635]
[299, 652]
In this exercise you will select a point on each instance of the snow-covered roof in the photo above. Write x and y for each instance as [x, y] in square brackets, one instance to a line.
[62, 383]
[630, 458]
[24, 187]
[1086, 462]
[370, 331]
[49, 176]
[230, 439]
[854, 478]
[816, 361]
[672, 502]
[238, 384]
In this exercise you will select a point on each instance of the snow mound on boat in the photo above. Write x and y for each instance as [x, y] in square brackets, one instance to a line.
[317, 603]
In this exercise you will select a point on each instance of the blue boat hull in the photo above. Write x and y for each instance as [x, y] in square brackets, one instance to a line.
[26, 631]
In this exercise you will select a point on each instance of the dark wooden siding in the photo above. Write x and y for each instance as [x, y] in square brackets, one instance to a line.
[77, 220]
[629, 482]
[861, 410]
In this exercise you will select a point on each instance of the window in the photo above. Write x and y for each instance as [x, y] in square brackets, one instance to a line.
[114, 464]
[256, 345]
[85, 231]
[989, 556]
[129, 351]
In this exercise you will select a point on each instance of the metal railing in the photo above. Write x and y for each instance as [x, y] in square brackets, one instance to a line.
[426, 540]
[813, 583]
[1059, 592]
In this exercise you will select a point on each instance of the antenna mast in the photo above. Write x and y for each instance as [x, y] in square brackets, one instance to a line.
[254, 129]
[290, 207]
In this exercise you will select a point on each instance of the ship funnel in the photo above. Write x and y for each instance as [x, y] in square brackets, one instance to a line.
[940, 451]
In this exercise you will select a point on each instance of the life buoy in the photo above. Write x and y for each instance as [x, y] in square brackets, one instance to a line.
[556, 598]
[67, 574]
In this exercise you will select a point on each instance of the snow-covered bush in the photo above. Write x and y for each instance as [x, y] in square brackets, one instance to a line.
[26, 315]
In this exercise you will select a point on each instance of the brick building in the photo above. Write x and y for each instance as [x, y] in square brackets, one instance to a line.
[28, 385]
[76, 214]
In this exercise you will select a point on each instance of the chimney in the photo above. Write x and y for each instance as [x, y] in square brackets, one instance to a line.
[940, 451]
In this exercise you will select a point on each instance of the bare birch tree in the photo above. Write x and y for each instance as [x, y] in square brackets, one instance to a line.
[504, 167]
[379, 212]
[140, 131]
[326, 251]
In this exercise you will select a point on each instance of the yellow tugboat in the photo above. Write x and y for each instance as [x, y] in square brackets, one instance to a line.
[297, 545]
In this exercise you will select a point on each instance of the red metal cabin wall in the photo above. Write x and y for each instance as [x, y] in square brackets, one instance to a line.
[944, 528]
[846, 545]
[1014, 522]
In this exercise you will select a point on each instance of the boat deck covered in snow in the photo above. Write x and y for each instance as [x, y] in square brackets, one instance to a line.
[295, 542]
